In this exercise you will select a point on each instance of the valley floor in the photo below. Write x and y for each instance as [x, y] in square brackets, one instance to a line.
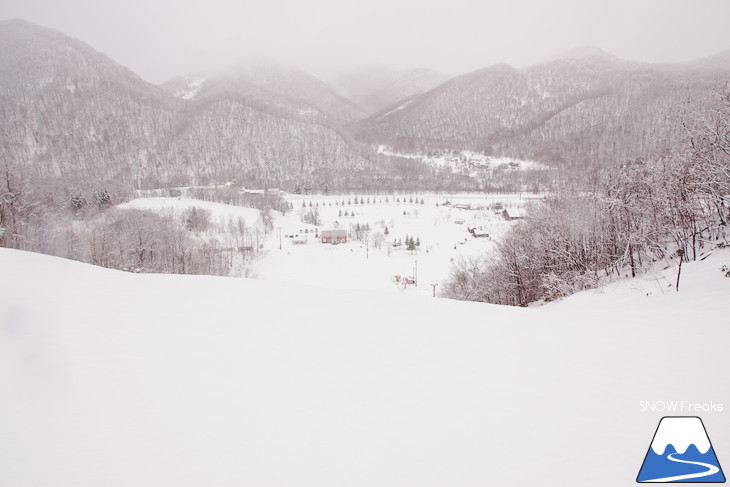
[292, 250]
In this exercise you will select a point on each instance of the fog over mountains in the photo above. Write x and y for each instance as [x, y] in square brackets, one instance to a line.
[71, 113]
[375, 89]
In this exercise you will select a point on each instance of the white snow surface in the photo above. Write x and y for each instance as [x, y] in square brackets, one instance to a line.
[118, 379]
[359, 265]
[469, 161]
[192, 89]
[680, 432]
[220, 211]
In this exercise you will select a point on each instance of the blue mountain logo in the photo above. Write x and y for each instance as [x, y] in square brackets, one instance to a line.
[680, 452]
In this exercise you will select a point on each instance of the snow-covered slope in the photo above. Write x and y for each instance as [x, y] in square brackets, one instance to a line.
[185, 87]
[123, 379]
[219, 210]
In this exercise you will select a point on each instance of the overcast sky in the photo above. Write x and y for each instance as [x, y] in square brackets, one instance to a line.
[161, 38]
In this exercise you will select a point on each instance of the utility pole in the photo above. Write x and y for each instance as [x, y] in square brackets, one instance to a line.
[279, 228]
[433, 285]
[415, 274]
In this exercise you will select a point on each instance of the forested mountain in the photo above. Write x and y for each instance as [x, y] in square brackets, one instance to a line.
[70, 113]
[278, 89]
[375, 89]
[582, 108]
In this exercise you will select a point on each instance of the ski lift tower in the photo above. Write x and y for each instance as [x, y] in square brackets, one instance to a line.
[433, 285]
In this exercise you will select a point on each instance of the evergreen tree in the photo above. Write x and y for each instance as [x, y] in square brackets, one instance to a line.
[102, 198]
[78, 203]
[386, 232]
[410, 244]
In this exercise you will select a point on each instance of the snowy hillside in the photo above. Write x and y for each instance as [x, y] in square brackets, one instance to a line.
[219, 210]
[585, 107]
[185, 87]
[111, 378]
[126, 129]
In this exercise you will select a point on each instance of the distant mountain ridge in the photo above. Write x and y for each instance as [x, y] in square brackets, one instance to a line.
[582, 52]
[581, 110]
[70, 113]
[269, 84]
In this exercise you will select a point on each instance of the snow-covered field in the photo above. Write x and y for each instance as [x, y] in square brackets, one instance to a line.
[119, 379]
[468, 162]
[220, 211]
[442, 231]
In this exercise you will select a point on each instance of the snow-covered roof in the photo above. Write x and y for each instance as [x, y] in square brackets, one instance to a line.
[334, 233]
